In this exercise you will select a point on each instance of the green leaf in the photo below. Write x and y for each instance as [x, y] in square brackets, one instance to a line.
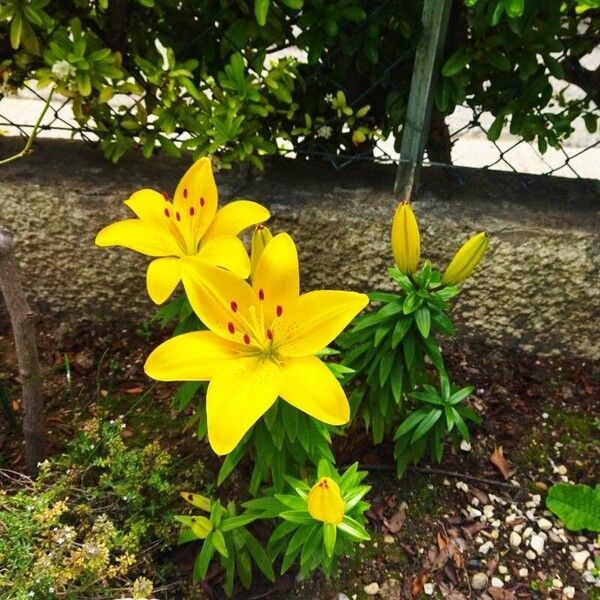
[16, 28]
[578, 506]
[456, 63]
[295, 4]
[411, 303]
[397, 377]
[461, 395]
[410, 422]
[261, 8]
[426, 424]
[495, 128]
[400, 330]
[259, 555]
[203, 560]
[219, 543]
[423, 320]
[514, 8]
[329, 536]
[230, 523]
[591, 122]
[353, 529]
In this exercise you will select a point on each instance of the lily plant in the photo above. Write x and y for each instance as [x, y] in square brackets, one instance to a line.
[189, 226]
[260, 345]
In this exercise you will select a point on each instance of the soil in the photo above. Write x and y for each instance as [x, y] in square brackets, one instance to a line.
[428, 539]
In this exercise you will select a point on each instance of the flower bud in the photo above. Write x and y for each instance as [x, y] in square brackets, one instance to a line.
[325, 502]
[406, 242]
[466, 259]
[261, 237]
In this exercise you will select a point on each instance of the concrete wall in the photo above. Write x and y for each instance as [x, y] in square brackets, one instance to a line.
[538, 288]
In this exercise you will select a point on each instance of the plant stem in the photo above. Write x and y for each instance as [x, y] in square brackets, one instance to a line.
[32, 135]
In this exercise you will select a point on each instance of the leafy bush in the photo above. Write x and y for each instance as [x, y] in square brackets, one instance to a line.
[90, 521]
[218, 78]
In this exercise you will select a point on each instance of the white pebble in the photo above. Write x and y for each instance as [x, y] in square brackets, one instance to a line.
[523, 572]
[544, 524]
[502, 569]
[371, 589]
[388, 539]
[515, 539]
[531, 555]
[527, 533]
[580, 556]
[465, 446]
[537, 543]
[485, 548]
[569, 592]
[428, 588]
[479, 581]
[497, 582]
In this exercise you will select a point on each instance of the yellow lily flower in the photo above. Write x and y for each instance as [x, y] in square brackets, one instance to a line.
[189, 226]
[466, 259]
[261, 344]
[325, 502]
[262, 236]
[406, 241]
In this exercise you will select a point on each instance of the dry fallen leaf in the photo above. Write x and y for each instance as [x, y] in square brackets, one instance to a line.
[498, 460]
[417, 585]
[500, 594]
[395, 522]
[134, 390]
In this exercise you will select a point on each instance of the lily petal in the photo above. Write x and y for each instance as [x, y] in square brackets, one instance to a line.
[321, 317]
[162, 278]
[234, 217]
[195, 356]
[149, 206]
[276, 279]
[226, 251]
[146, 238]
[218, 297]
[311, 387]
[196, 199]
[237, 397]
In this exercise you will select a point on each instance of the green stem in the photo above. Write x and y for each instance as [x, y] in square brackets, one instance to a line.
[32, 135]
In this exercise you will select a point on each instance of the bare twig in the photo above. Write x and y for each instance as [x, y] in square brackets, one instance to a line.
[430, 471]
[32, 135]
[23, 326]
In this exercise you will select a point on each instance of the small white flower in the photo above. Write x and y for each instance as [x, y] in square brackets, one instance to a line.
[62, 69]
[324, 132]
[329, 98]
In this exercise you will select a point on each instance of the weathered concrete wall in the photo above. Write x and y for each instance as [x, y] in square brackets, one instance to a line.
[538, 289]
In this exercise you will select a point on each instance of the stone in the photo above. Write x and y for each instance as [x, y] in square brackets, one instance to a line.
[515, 539]
[580, 556]
[388, 539]
[429, 588]
[497, 582]
[544, 524]
[523, 572]
[371, 589]
[479, 581]
[569, 592]
[537, 543]
[342, 596]
[485, 547]
[531, 555]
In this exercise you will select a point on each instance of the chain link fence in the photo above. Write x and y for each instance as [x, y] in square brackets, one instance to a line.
[578, 157]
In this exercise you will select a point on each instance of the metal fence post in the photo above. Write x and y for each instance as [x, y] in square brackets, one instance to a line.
[416, 125]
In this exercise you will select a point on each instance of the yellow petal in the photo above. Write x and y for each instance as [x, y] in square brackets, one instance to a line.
[406, 242]
[142, 237]
[276, 280]
[311, 387]
[261, 237]
[226, 251]
[237, 397]
[149, 206]
[162, 278]
[220, 298]
[320, 318]
[235, 217]
[325, 501]
[196, 200]
[192, 356]
[466, 259]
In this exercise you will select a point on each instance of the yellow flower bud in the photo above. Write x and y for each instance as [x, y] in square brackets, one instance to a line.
[261, 237]
[466, 259]
[325, 501]
[406, 242]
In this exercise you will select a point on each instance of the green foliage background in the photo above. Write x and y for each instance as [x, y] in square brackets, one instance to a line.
[219, 72]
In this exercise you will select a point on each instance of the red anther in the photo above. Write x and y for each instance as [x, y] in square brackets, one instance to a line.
[279, 310]
[261, 294]
[167, 213]
[192, 211]
[185, 192]
[178, 216]
[246, 339]
[201, 200]
[269, 334]
[234, 306]
[231, 327]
